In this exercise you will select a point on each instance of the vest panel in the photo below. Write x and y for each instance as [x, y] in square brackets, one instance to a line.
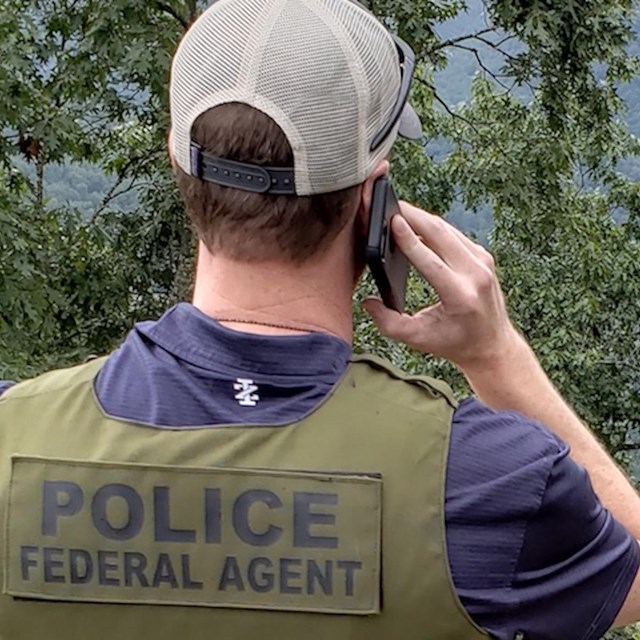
[332, 527]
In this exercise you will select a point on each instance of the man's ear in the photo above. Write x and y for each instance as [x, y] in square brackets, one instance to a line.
[362, 218]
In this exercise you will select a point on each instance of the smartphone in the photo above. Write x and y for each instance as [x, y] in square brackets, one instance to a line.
[389, 267]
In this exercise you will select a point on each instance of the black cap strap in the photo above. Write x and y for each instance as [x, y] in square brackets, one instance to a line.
[240, 175]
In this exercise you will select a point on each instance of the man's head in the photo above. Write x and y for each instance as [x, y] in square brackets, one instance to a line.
[309, 96]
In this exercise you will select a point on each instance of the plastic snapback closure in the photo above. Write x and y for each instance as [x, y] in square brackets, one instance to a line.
[241, 175]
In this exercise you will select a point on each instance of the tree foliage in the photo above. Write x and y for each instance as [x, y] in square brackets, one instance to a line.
[539, 141]
[88, 85]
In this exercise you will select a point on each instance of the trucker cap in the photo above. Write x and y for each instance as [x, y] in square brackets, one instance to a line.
[326, 71]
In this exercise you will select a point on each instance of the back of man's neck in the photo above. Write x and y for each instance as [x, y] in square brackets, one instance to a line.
[275, 298]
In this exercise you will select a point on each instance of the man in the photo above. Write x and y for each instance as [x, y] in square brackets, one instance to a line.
[233, 471]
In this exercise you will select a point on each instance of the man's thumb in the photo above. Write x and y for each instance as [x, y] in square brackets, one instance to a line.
[389, 322]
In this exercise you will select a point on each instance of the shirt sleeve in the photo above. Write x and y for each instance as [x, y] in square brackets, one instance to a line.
[4, 385]
[531, 548]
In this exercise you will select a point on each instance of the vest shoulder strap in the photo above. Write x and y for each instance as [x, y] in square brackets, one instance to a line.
[54, 381]
[437, 388]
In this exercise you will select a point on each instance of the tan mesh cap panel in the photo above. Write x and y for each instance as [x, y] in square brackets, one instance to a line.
[325, 70]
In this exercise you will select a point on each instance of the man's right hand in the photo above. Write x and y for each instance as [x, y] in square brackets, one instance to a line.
[469, 325]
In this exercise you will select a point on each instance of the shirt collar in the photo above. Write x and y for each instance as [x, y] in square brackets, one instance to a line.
[191, 335]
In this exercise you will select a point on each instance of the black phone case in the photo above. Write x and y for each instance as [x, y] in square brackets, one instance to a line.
[389, 267]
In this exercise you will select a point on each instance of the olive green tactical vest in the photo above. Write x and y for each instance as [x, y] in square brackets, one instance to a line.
[329, 528]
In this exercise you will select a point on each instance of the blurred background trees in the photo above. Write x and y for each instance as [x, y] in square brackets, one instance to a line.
[529, 111]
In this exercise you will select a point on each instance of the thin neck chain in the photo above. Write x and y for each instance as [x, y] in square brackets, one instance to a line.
[265, 324]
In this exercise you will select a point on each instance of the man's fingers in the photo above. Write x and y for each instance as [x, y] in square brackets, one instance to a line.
[426, 261]
[477, 249]
[448, 243]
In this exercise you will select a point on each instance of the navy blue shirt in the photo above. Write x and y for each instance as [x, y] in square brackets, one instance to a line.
[4, 385]
[530, 547]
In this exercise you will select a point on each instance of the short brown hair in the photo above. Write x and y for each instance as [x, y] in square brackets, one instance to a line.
[254, 227]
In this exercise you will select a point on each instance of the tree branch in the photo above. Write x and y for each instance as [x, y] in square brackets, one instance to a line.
[483, 66]
[137, 163]
[113, 192]
[443, 104]
[470, 36]
[506, 39]
[495, 46]
[467, 121]
[169, 10]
